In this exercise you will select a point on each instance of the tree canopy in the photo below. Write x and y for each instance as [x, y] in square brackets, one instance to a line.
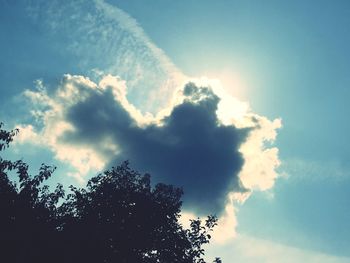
[117, 217]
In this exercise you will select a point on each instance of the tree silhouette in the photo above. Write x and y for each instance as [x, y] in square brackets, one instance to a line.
[28, 211]
[118, 217]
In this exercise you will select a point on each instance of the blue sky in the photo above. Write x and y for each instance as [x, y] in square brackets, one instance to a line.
[287, 59]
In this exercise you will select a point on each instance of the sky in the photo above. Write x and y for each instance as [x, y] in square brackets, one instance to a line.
[241, 103]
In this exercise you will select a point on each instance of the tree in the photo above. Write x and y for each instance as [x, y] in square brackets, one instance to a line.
[118, 217]
[28, 211]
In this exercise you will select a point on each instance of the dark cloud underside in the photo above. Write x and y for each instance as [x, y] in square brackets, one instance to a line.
[191, 149]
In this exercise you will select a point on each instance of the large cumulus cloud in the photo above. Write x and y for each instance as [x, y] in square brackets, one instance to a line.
[206, 141]
[188, 146]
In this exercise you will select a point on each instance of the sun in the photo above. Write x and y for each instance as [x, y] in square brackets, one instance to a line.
[231, 110]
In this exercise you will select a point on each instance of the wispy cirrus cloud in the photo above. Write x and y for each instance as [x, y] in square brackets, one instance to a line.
[311, 170]
[103, 39]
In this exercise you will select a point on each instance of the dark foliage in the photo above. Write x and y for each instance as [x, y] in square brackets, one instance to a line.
[118, 217]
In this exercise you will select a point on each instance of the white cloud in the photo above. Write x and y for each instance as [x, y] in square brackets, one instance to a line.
[227, 222]
[27, 134]
[259, 171]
